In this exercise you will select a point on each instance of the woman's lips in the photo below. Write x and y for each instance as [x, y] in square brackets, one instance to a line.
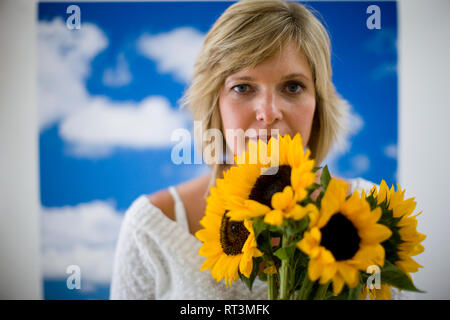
[264, 138]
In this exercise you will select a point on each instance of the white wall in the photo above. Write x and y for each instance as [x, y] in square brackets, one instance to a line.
[424, 131]
[20, 276]
[424, 70]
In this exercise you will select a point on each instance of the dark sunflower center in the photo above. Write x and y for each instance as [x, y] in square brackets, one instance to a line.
[267, 185]
[233, 235]
[340, 237]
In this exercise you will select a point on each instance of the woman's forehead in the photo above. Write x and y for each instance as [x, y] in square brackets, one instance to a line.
[289, 63]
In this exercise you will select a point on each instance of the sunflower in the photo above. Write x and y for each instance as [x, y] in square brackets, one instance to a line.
[229, 246]
[270, 187]
[343, 238]
[405, 241]
[384, 293]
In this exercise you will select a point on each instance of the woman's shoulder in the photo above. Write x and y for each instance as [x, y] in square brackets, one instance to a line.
[189, 192]
[141, 213]
[164, 201]
[151, 214]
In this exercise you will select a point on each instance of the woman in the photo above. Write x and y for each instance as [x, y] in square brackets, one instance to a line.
[265, 64]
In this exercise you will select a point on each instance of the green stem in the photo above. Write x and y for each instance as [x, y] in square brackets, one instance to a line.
[284, 272]
[272, 286]
[284, 280]
[321, 291]
[272, 283]
[305, 289]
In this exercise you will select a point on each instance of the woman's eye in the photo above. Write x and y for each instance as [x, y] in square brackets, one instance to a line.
[241, 88]
[294, 87]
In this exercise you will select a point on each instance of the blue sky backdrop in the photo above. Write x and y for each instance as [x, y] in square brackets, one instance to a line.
[108, 103]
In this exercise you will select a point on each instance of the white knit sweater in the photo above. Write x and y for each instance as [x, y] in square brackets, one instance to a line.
[157, 258]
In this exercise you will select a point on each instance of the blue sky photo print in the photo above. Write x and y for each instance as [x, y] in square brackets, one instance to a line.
[108, 96]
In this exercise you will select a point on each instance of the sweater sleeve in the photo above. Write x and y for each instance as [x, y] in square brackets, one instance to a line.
[133, 275]
[361, 184]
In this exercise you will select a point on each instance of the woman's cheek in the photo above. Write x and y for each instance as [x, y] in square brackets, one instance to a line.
[235, 116]
[302, 119]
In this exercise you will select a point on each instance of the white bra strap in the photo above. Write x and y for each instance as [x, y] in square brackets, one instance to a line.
[180, 212]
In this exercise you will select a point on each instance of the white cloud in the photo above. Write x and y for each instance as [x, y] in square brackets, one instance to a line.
[95, 264]
[355, 124]
[95, 131]
[384, 70]
[391, 151]
[382, 42]
[94, 223]
[118, 76]
[84, 235]
[360, 164]
[175, 51]
[64, 58]
[93, 126]
[332, 160]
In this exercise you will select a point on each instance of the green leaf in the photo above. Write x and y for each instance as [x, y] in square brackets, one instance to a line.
[341, 296]
[354, 293]
[297, 227]
[393, 276]
[325, 178]
[248, 282]
[315, 169]
[299, 274]
[301, 259]
[282, 254]
[263, 242]
[285, 253]
[313, 186]
[263, 276]
[259, 226]
[274, 229]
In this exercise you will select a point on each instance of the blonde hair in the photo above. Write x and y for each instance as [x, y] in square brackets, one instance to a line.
[248, 33]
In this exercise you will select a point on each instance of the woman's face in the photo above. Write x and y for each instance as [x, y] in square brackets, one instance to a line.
[277, 94]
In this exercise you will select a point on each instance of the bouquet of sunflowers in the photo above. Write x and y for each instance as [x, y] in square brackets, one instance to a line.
[272, 217]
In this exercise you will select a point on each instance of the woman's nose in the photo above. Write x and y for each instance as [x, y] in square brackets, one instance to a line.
[268, 110]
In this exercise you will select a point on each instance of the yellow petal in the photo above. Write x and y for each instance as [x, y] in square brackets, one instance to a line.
[374, 234]
[383, 192]
[274, 217]
[239, 215]
[205, 235]
[338, 284]
[349, 273]
[209, 262]
[257, 208]
[246, 266]
[311, 240]
[328, 273]
[281, 200]
[299, 212]
[326, 256]
[369, 255]
[315, 268]
[408, 264]
[295, 151]
[384, 293]
[332, 199]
